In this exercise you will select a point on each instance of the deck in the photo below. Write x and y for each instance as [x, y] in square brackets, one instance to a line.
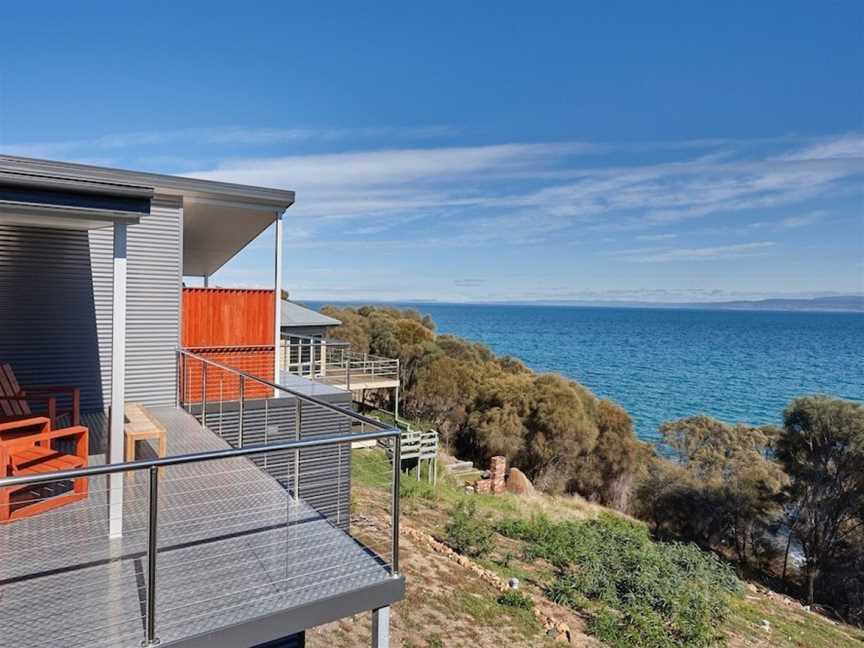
[240, 561]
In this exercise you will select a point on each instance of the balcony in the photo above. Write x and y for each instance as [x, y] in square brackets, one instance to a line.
[333, 362]
[244, 533]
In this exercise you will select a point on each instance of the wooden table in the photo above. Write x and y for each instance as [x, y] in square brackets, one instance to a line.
[140, 426]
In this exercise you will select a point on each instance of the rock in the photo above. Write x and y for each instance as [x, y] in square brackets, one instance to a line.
[513, 583]
[766, 625]
[518, 483]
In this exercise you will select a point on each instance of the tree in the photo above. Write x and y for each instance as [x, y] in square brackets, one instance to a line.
[607, 472]
[822, 450]
[726, 491]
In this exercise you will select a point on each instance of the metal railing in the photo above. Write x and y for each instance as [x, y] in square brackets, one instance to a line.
[333, 361]
[217, 517]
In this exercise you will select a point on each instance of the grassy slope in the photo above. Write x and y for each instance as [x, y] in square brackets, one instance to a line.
[448, 606]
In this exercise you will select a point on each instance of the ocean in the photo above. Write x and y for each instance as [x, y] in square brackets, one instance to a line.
[662, 364]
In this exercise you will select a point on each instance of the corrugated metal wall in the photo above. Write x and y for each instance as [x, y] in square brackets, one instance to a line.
[153, 305]
[56, 296]
[325, 473]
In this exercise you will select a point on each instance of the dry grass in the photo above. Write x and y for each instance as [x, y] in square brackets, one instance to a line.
[447, 606]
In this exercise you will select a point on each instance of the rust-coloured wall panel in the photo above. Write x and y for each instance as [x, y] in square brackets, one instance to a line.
[223, 385]
[227, 317]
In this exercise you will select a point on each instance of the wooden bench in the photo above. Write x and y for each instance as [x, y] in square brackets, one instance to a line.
[140, 426]
[26, 448]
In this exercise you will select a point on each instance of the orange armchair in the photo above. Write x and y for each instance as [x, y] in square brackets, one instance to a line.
[26, 449]
[15, 400]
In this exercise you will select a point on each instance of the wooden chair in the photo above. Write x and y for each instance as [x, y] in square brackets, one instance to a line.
[15, 400]
[26, 449]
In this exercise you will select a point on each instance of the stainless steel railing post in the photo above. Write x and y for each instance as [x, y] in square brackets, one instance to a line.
[152, 550]
[203, 393]
[397, 473]
[240, 427]
[298, 428]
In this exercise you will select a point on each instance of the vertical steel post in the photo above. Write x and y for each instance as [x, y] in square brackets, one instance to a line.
[348, 367]
[203, 393]
[152, 550]
[240, 428]
[298, 428]
[397, 473]
[177, 370]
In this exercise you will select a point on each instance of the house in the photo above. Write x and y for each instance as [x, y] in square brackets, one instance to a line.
[308, 350]
[241, 536]
[297, 319]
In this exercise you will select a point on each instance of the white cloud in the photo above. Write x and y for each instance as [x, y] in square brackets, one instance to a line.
[716, 253]
[804, 220]
[656, 237]
[219, 136]
[849, 145]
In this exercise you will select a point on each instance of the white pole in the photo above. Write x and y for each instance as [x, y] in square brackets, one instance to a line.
[206, 281]
[277, 315]
[118, 382]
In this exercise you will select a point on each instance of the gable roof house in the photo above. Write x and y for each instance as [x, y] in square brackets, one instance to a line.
[235, 529]
[298, 319]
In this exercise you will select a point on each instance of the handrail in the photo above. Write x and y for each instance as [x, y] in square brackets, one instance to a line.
[304, 397]
[194, 457]
[152, 466]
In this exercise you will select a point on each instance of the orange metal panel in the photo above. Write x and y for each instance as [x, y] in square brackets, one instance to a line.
[225, 386]
[226, 317]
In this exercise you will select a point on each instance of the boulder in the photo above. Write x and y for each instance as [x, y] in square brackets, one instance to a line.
[518, 483]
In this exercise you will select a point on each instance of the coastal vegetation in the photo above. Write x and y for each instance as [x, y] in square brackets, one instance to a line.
[783, 504]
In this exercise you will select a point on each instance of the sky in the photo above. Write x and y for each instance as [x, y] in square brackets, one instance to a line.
[487, 151]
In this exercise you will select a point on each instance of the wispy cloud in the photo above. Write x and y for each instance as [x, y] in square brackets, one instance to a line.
[848, 145]
[519, 193]
[656, 237]
[721, 252]
[526, 191]
[220, 136]
[804, 220]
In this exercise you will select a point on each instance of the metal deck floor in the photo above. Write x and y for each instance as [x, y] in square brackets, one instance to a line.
[233, 546]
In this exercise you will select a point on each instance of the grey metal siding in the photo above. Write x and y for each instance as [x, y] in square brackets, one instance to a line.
[325, 473]
[153, 305]
[53, 308]
[56, 291]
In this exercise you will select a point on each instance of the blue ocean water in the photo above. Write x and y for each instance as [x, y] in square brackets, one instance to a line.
[661, 364]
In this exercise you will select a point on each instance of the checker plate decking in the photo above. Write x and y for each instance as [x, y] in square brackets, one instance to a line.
[233, 547]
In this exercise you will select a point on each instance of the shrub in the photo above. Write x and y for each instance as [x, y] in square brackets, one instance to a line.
[639, 592]
[410, 488]
[467, 533]
[516, 599]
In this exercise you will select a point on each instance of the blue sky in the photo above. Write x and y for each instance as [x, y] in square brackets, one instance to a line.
[480, 151]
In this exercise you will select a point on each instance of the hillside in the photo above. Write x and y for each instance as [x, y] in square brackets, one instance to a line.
[453, 601]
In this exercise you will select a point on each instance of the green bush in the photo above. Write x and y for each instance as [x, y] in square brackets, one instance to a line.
[411, 488]
[516, 599]
[467, 533]
[640, 593]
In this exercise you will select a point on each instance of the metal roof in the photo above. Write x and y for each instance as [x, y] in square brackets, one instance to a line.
[160, 183]
[297, 315]
[219, 218]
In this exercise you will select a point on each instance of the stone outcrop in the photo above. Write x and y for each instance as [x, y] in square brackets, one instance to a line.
[518, 483]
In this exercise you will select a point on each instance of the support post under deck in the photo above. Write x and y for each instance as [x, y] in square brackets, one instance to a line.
[381, 627]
